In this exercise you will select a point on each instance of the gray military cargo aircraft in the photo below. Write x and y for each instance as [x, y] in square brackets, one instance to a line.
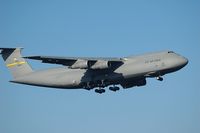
[90, 73]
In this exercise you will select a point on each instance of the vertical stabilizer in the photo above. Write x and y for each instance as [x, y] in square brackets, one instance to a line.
[17, 65]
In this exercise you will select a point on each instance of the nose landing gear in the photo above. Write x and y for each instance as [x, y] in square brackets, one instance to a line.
[159, 78]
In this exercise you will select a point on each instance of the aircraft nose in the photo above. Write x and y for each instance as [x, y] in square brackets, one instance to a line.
[183, 61]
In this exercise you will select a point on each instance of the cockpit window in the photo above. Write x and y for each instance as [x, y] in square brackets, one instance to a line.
[170, 52]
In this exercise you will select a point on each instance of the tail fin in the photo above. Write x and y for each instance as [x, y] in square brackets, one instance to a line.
[15, 62]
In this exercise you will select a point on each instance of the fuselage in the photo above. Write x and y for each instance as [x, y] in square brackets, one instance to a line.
[132, 69]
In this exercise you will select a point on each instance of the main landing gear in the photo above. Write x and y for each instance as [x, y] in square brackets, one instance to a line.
[100, 90]
[102, 85]
[114, 88]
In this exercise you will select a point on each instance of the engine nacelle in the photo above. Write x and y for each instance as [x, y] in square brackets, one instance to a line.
[101, 65]
[80, 64]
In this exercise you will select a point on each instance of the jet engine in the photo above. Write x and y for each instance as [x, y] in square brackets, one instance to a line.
[80, 64]
[101, 65]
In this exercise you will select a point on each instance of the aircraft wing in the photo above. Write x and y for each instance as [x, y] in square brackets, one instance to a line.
[80, 62]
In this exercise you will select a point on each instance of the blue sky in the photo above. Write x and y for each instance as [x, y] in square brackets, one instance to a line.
[108, 28]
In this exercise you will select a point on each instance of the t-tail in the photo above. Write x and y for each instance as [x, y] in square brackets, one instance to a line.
[17, 65]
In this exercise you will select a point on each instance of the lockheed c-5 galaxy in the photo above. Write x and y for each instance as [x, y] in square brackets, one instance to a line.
[90, 73]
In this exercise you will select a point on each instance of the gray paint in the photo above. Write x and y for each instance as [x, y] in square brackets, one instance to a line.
[13, 55]
[127, 72]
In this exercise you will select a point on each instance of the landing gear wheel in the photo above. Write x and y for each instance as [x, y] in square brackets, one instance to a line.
[115, 88]
[100, 91]
[103, 90]
[159, 78]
